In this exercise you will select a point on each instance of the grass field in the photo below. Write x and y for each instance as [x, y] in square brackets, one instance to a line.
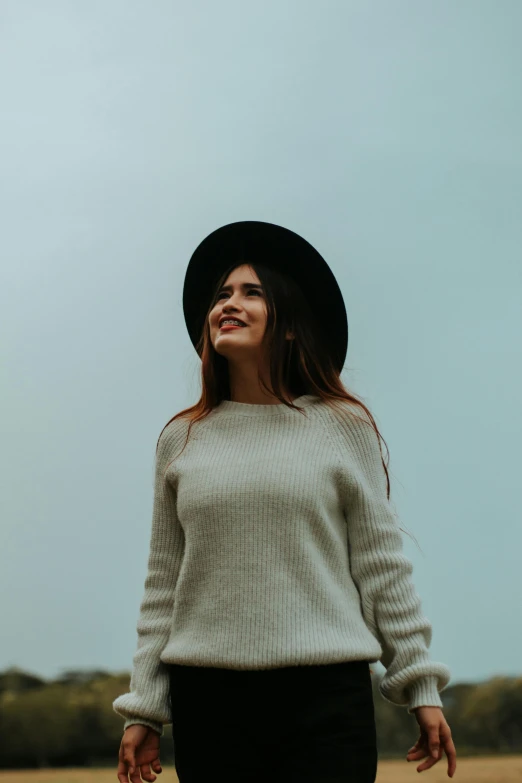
[506, 769]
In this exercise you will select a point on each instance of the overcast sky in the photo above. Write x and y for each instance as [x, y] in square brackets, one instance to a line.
[388, 133]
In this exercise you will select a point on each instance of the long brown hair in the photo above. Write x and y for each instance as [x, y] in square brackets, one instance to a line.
[297, 367]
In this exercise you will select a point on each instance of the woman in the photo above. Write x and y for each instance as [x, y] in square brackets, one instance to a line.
[275, 573]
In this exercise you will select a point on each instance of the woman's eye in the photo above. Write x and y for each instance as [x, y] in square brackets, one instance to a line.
[249, 291]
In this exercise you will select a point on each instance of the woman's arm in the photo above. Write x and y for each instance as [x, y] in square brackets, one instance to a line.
[148, 701]
[390, 604]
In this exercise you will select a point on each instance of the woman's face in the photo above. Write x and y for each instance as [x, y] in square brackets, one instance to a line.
[241, 297]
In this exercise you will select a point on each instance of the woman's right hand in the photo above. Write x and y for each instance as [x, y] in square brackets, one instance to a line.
[139, 750]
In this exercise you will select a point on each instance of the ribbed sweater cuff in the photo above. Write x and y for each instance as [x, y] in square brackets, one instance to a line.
[423, 693]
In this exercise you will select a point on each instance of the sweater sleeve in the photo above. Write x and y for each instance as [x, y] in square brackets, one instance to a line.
[148, 699]
[390, 605]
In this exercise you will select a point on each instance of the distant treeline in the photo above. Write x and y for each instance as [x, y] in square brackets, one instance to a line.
[69, 721]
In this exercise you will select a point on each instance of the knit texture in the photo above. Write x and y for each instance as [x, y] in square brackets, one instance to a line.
[273, 544]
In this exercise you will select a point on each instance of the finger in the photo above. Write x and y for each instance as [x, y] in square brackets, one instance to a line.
[129, 760]
[415, 755]
[416, 747]
[451, 753]
[434, 742]
[146, 773]
[122, 772]
[430, 762]
[135, 776]
[421, 744]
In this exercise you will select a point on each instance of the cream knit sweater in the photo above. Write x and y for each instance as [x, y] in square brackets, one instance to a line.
[273, 544]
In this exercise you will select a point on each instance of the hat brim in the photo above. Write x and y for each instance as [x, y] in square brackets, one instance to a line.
[278, 247]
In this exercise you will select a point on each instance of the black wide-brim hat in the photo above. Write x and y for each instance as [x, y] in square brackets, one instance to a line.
[278, 248]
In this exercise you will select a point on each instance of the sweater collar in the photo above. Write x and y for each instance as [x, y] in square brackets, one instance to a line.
[261, 410]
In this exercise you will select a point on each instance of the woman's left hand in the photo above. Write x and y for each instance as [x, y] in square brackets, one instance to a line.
[435, 737]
